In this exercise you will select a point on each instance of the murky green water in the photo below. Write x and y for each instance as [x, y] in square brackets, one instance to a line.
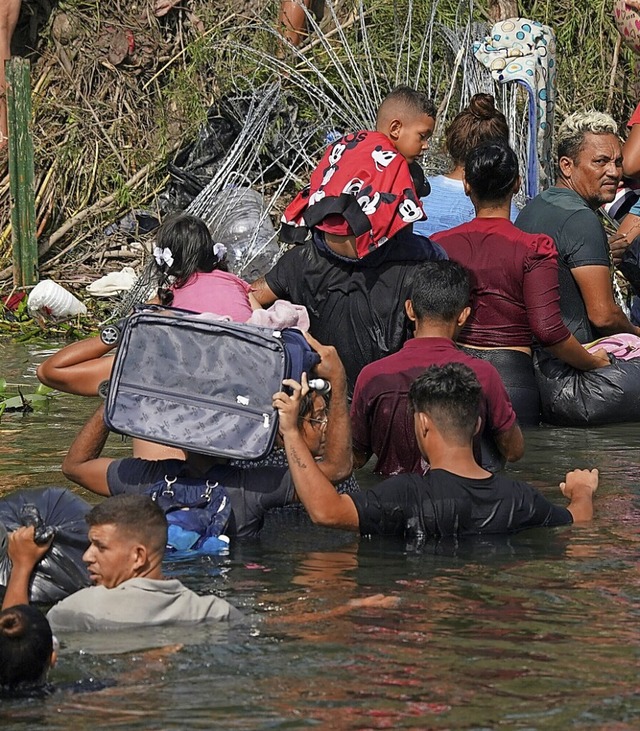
[535, 631]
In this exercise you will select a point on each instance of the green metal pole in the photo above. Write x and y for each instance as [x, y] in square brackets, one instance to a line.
[23, 211]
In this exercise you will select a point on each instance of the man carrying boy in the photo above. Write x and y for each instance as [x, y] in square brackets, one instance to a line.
[354, 270]
[381, 421]
[456, 496]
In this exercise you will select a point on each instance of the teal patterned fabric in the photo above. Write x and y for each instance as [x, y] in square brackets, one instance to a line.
[524, 51]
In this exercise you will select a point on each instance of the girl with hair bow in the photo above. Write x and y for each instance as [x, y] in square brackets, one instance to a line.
[194, 274]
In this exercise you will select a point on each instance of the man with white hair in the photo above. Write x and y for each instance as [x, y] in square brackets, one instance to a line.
[589, 171]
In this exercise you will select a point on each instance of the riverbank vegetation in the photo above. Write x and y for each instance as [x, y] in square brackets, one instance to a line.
[117, 92]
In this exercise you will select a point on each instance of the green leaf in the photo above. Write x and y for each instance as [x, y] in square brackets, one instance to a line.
[43, 390]
[3, 385]
[17, 403]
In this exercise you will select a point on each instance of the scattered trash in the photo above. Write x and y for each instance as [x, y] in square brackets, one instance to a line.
[196, 164]
[13, 302]
[49, 300]
[136, 222]
[113, 283]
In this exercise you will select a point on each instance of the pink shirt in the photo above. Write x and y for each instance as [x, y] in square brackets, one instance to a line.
[220, 292]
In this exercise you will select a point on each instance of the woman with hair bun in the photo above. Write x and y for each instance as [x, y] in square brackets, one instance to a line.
[447, 204]
[26, 649]
[515, 300]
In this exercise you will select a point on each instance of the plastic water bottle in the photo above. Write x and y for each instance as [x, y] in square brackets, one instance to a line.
[240, 222]
[49, 299]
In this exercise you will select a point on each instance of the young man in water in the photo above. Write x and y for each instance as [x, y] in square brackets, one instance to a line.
[354, 271]
[456, 496]
[127, 536]
[381, 422]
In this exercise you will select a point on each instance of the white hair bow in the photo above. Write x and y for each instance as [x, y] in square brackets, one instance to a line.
[163, 256]
[219, 251]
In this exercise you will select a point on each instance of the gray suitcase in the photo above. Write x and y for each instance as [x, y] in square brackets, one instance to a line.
[202, 385]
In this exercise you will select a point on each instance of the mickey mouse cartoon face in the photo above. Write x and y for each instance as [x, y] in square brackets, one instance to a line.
[382, 158]
[409, 211]
[336, 153]
[353, 186]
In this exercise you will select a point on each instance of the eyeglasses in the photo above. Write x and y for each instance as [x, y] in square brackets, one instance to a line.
[317, 423]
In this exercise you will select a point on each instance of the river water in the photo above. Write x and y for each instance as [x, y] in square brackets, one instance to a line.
[539, 630]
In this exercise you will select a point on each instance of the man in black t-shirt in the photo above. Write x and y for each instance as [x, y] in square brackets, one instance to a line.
[356, 305]
[457, 496]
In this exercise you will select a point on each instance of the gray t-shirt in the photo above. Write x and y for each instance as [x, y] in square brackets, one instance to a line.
[137, 602]
[581, 241]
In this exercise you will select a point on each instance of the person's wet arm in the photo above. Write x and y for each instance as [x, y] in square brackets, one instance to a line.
[337, 462]
[77, 368]
[25, 554]
[83, 463]
[542, 299]
[510, 443]
[604, 314]
[324, 505]
[579, 487]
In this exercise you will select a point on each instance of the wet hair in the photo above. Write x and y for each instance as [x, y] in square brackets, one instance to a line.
[576, 126]
[136, 515]
[26, 644]
[450, 394]
[189, 240]
[440, 290]
[414, 103]
[306, 405]
[491, 171]
[479, 122]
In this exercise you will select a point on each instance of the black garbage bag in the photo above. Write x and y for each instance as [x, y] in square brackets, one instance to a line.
[570, 397]
[196, 164]
[53, 511]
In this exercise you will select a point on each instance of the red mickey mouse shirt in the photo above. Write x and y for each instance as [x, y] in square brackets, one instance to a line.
[362, 186]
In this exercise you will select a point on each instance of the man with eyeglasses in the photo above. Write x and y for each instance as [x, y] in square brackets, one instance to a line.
[253, 487]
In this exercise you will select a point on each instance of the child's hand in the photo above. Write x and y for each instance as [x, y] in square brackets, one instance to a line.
[288, 406]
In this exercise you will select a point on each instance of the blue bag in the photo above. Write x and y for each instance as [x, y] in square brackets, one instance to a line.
[197, 513]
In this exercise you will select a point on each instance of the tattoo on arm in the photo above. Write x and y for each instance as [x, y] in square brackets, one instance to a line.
[297, 459]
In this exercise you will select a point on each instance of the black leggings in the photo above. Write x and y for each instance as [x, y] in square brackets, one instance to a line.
[519, 378]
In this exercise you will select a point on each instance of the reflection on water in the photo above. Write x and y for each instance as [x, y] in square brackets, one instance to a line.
[533, 631]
